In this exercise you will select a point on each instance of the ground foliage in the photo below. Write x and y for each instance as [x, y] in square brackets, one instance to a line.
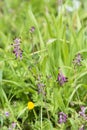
[43, 65]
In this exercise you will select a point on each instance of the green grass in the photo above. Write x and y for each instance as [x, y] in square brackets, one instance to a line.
[58, 37]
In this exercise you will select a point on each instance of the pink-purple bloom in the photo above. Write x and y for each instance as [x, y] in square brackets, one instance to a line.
[17, 50]
[41, 88]
[14, 125]
[17, 41]
[62, 118]
[7, 114]
[82, 127]
[61, 78]
[77, 60]
[32, 29]
[82, 112]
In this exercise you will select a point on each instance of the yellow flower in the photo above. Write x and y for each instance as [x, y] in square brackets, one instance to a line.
[30, 105]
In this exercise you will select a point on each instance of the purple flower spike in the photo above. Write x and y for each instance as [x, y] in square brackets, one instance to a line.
[41, 88]
[62, 118]
[82, 112]
[77, 60]
[17, 50]
[61, 79]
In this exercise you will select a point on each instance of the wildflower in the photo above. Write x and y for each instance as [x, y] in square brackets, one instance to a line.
[30, 105]
[77, 60]
[76, 5]
[61, 78]
[6, 114]
[17, 41]
[69, 8]
[82, 112]
[40, 88]
[13, 125]
[62, 118]
[82, 127]
[32, 29]
[17, 50]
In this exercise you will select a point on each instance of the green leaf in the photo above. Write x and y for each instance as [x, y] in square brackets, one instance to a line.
[0, 75]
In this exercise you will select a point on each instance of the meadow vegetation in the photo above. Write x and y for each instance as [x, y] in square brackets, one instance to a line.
[43, 64]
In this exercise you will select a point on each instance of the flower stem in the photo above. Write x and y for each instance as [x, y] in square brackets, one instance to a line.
[41, 117]
[35, 114]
